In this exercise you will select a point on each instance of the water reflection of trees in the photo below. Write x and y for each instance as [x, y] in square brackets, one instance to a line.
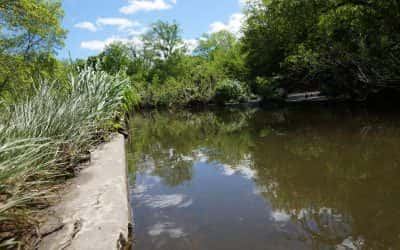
[172, 142]
[328, 161]
[334, 173]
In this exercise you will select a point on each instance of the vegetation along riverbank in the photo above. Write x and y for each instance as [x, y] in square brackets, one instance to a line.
[53, 111]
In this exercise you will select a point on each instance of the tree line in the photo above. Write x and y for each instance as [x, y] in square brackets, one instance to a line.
[339, 47]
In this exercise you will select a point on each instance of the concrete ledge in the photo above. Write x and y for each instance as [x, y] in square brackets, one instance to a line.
[94, 212]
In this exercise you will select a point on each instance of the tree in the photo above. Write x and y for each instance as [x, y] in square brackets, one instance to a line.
[31, 26]
[274, 29]
[30, 34]
[164, 39]
[115, 57]
[211, 44]
[338, 46]
[223, 50]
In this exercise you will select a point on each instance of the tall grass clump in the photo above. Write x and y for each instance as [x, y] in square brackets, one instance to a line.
[43, 137]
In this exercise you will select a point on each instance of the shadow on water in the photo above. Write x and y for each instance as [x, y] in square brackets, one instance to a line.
[252, 179]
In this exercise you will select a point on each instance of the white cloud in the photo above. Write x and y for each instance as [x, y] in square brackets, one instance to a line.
[137, 31]
[191, 45]
[129, 28]
[87, 26]
[99, 45]
[93, 45]
[146, 5]
[121, 23]
[233, 25]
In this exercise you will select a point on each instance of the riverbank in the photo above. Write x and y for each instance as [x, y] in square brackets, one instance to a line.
[94, 212]
[44, 137]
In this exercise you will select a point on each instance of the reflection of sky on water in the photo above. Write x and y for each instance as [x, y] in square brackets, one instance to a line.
[164, 203]
[280, 216]
[288, 188]
[243, 170]
[168, 228]
[152, 193]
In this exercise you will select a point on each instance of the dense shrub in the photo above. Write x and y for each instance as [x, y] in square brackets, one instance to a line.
[269, 88]
[229, 91]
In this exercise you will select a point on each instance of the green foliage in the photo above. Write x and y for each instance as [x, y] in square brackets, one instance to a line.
[229, 91]
[164, 39]
[210, 45]
[17, 75]
[269, 88]
[45, 136]
[115, 57]
[338, 46]
[168, 93]
[223, 51]
[30, 32]
[29, 26]
[263, 87]
[188, 133]
[131, 99]
[163, 73]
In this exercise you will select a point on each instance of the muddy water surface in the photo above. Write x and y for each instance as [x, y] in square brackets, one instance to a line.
[256, 180]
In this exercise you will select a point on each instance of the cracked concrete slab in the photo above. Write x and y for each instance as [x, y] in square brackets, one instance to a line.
[94, 212]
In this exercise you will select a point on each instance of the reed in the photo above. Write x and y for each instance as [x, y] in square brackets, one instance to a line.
[44, 137]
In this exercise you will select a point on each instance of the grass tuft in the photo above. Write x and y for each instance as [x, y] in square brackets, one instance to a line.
[43, 138]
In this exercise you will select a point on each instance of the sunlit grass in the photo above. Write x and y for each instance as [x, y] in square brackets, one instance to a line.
[44, 137]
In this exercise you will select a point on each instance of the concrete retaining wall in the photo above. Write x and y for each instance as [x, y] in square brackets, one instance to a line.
[94, 212]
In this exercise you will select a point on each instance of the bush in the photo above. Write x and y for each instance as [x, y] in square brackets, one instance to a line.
[229, 91]
[132, 99]
[267, 88]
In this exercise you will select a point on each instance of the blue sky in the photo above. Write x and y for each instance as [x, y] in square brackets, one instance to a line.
[94, 23]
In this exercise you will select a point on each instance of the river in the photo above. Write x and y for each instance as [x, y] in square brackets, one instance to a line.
[251, 179]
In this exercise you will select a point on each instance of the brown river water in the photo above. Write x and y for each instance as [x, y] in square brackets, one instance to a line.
[250, 179]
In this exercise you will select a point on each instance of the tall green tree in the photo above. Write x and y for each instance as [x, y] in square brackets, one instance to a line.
[115, 57]
[31, 26]
[164, 45]
[223, 51]
[340, 46]
[212, 44]
[30, 34]
[164, 39]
